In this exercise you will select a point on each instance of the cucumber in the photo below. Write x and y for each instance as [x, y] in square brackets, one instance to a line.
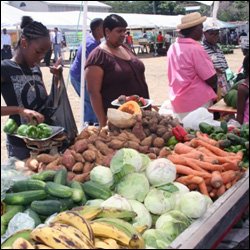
[11, 211]
[96, 191]
[61, 176]
[34, 216]
[67, 203]
[24, 198]
[78, 192]
[47, 175]
[236, 140]
[58, 190]
[28, 185]
[224, 126]
[47, 207]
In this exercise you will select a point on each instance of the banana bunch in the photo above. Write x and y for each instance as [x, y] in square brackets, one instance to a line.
[84, 228]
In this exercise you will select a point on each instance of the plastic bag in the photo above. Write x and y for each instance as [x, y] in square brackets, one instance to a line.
[58, 111]
[19, 222]
[193, 119]
[166, 109]
[9, 175]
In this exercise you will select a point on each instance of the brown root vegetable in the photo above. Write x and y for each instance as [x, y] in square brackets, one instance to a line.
[46, 158]
[41, 167]
[161, 130]
[164, 153]
[152, 156]
[70, 176]
[78, 167]
[167, 136]
[138, 131]
[116, 144]
[81, 145]
[159, 142]
[89, 155]
[131, 144]
[155, 151]
[93, 138]
[32, 164]
[132, 137]
[175, 122]
[147, 141]
[100, 158]
[92, 147]
[103, 148]
[147, 132]
[81, 177]
[78, 157]
[88, 167]
[153, 127]
[107, 159]
[55, 168]
[144, 149]
[85, 134]
[68, 159]
[53, 164]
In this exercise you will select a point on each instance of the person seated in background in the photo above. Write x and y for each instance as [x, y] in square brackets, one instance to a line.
[210, 44]
[160, 40]
[243, 95]
[191, 73]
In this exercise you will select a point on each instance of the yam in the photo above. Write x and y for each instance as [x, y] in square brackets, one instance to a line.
[167, 136]
[46, 158]
[68, 160]
[55, 168]
[138, 131]
[89, 155]
[144, 149]
[81, 145]
[147, 141]
[85, 134]
[159, 143]
[164, 153]
[70, 176]
[88, 167]
[131, 137]
[78, 157]
[78, 167]
[161, 130]
[53, 164]
[155, 150]
[116, 144]
[131, 144]
[32, 164]
[103, 148]
[152, 156]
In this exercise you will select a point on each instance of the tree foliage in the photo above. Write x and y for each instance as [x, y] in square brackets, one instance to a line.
[229, 10]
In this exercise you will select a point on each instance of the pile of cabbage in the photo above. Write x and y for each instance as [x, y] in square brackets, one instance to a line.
[148, 188]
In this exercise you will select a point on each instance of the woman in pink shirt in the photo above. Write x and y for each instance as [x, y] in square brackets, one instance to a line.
[191, 73]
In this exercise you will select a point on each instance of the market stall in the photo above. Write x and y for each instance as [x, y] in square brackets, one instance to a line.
[195, 184]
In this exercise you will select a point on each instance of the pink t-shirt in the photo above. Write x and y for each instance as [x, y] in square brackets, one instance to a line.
[189, 66]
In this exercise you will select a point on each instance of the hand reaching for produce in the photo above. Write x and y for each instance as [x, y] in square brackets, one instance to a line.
[30, 115]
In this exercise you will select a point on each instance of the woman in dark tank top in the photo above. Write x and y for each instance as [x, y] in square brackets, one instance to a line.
[113, 70]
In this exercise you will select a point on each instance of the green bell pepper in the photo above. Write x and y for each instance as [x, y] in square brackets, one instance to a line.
[44, 132]
[22, 130]
[10, 126]
[32, 132]
[172, 141]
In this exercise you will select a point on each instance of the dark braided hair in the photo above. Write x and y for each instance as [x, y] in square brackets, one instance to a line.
[32, 30]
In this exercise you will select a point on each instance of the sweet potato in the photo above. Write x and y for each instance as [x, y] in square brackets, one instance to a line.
[155, 151]
[53, 164]
[102, 147]
[88, 167]
[85, 134]
[167, 135]
[70, 176]
[132, 144]
[68, 160]
[164, 153]
[46, 158]
[80, 177]
[147, 141]
[81, 145]
[32, 164]
[55, 168]
[159, 142]
[89, 155]
[78, 157]
[138, 131]
[116, 144]
[78, 167]
[152, 156]
[131, 137]
[144, 149]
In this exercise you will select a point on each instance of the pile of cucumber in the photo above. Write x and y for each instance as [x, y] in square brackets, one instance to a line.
[46, 193]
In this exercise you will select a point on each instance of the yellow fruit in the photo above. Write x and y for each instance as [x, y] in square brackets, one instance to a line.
[21, 243]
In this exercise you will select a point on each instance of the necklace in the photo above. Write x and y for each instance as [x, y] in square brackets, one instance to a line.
[32, 86]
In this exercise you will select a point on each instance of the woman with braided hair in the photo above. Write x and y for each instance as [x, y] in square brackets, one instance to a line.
[22, 85]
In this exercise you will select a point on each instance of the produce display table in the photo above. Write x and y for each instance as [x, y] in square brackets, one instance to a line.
[209, 231]
[222, 108]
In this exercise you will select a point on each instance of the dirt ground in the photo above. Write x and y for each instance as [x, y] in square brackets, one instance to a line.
[156, 77]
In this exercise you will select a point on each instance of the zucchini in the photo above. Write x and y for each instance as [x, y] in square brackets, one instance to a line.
[47, 175]
[11, 211]
[67, 203]
[24, 198]
[96, 191]
[47, 207]
[78, 193]
[34, 216]
[224, 126]
[58, 190]
[28, 185]
[61, 176]
[206, 128]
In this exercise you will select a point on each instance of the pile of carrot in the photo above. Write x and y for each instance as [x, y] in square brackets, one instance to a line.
[202, 165]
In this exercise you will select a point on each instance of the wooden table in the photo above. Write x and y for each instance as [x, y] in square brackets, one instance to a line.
[221, 107]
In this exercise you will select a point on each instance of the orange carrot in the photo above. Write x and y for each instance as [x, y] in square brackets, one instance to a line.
[216, 179]
[209, 159]
[203, 188]
[193, 154]
[184, 170]
[205, 138]
[181, 148]
[221, 190]
[192, 186]
[205, 151]
[207, 166]
[213, 149]
[178, 159]
[231, 166]
[228, 176]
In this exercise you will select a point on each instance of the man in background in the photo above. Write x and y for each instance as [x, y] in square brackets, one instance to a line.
[5, 45]
[93, 40]
[57, 40]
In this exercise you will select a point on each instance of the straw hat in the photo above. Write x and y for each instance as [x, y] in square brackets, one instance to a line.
[191, 20]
